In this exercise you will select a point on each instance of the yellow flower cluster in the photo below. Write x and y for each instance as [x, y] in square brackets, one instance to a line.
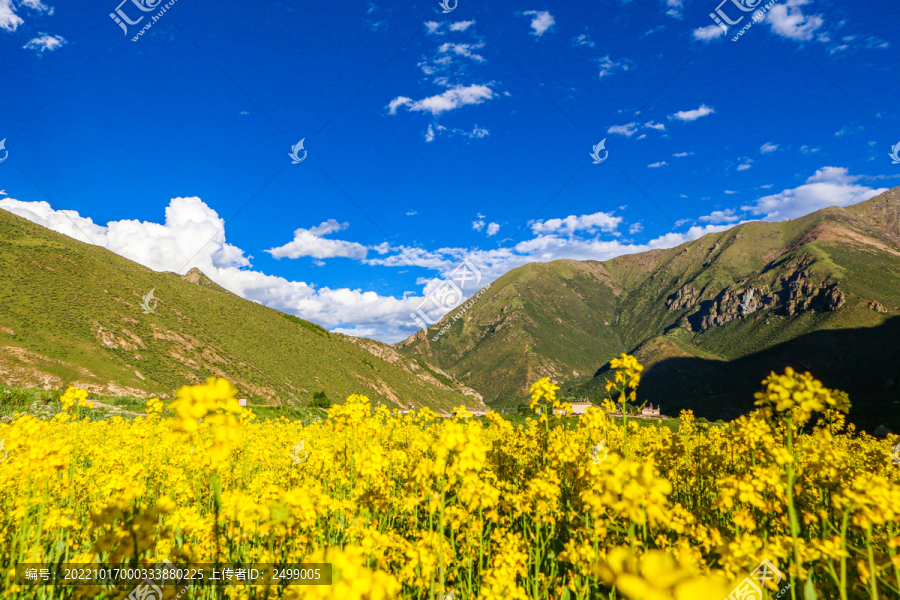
[73, 397]
[798, 395]
[418, 507]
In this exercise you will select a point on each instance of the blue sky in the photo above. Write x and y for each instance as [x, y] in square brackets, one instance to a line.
[433, 137]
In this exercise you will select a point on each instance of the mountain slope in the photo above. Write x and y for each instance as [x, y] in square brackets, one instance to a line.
[70, 313]
[831, 271]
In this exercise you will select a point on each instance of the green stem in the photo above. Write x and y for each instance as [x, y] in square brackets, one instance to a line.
[873, 579]
[792, 512]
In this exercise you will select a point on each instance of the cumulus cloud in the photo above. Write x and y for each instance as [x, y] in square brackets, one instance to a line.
[720, 216]
[787, 20]
[628, 129]
[692, 115]
[708, 33]
[309, 242]
[178, 245]
[492, 229]
[600, 220]
[463, 50]
[635, 228]
[451, 99]
[478, 225]
[830, 186]
[461, 25]
[10, 20]
[189, 223]
[45, 43]
[674, 8]
[433, 27]
[768, 147]
[541, 22]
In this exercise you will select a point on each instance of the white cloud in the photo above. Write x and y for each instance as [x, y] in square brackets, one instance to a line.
[608, 66]
[45, 43]
[635, 228]
[692, 115]
[846, 130]
[9, 20]
[603, 221]
[309, 242]
[477, 132]
[657, 164]
[463, 50]
[174, 246]
[656, 126]
[433, 27]
[830, 186]
[808, 150]
[629, 129]
[651, 31]
[412, 213]
[492, 229]
[675, 7]
[683, 154]
[768, 147]
[478, 225]
[708, 33]
[788, 20]
[729, 192]
[541, 22]
[582, 40]
[449, 100]
[720, 216]
[461, 25]
[744, 167]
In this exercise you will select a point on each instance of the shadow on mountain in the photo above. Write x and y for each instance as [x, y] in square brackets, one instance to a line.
[864, 362]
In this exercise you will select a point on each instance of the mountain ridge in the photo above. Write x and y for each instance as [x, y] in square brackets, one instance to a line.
[834, 269]
[70, 314]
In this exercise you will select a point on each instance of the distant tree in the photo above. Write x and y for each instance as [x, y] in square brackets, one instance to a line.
[523, 409]
[320, 400]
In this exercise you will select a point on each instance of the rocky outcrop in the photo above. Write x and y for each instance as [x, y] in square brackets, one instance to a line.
[796, 294]
[686, 297]
[877, 307]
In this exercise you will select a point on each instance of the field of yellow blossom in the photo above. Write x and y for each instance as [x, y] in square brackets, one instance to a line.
[421, 507]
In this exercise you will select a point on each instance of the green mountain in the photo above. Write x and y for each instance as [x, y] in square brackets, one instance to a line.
[825, 298]
[70, 314]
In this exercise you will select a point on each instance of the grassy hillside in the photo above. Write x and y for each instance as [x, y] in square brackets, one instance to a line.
[826, 287]
[70, 314]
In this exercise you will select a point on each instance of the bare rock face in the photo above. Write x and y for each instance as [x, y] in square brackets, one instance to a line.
[796, 295]
[877, 307]
[686, 297]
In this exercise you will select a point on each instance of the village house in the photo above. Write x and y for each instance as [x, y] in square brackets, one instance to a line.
[649, 411]
[578, 408]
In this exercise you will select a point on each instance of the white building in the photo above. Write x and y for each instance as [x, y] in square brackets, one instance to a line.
[649, 411]
[578, 408]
